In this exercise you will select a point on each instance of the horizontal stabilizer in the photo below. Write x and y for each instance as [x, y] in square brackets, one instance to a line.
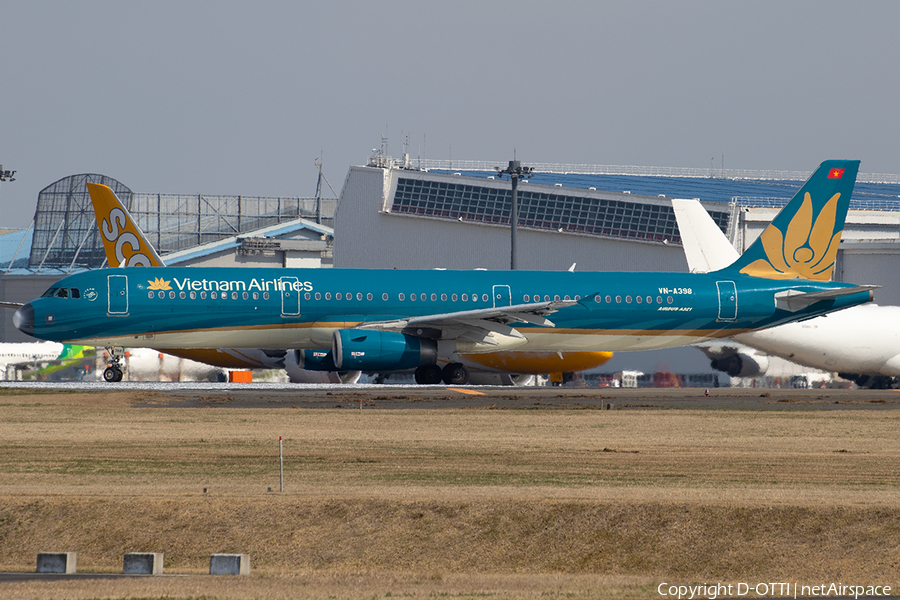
[794, 300]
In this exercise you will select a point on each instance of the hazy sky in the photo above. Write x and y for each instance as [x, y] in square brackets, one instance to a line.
[234, 97]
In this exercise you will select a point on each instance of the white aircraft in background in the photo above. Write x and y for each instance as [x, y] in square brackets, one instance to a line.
[13, 353]
[861, 343]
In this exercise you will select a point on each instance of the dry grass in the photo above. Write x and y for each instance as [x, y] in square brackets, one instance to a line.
[508, 504]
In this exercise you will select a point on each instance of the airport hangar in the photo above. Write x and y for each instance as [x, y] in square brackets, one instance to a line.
[438, 214]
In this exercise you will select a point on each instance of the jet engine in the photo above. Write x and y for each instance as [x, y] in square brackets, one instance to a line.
[740, 363]
[363, 350]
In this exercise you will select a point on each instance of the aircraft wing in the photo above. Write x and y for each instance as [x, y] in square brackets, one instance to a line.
[475, 325]
[794, 300]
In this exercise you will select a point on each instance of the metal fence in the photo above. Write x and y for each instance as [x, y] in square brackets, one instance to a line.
[66, 234]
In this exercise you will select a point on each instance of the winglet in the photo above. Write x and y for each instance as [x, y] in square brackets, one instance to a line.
[802, 240]
[124, 242]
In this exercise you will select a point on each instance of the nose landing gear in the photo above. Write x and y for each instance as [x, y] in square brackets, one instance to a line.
[114, 371]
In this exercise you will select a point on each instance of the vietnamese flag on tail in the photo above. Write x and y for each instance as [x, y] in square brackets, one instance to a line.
[835, 173]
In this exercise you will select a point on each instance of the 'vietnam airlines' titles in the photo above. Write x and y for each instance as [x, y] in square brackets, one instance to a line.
[254, 284]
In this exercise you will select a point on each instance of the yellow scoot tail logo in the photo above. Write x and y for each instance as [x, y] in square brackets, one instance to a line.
[807, 250]
[123, 241]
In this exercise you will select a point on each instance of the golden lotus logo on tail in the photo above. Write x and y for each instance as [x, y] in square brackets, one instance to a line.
[159, 284]
[807, 250]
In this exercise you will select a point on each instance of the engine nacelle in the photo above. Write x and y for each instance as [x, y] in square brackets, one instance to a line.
[363, 350]
[742, 364]
[316, 360]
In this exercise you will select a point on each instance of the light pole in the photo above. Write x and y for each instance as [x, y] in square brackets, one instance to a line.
[7, 176]
[516, 171]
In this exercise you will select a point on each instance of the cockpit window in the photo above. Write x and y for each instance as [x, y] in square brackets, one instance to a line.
[62, 293]
[75, 293]
[49, 293]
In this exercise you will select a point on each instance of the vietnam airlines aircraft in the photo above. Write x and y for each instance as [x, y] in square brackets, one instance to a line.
[126, 245]
[861, 343]
[359, 319]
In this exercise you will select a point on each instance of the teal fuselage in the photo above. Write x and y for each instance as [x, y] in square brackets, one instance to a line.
[203, 307]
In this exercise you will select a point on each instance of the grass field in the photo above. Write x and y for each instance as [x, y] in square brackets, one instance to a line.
[459, 503]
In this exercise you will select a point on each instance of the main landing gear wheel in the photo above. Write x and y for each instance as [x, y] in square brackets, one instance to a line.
[112, 374]
[428, 375]
[455, 374]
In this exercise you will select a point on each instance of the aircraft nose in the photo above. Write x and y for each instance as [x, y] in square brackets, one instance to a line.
[24, 319]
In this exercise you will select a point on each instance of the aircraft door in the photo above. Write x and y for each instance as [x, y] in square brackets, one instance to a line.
[290, 297]
[117, 294]
[502, 296]
[727, 301]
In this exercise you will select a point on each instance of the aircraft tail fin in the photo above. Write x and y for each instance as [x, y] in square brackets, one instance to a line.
[124, 242]
[71, 351]
[802, 240]
[705, 246]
